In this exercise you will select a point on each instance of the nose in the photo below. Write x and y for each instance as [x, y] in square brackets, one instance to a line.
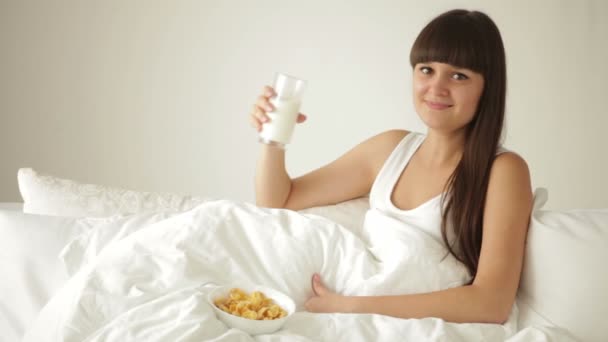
[438, 85]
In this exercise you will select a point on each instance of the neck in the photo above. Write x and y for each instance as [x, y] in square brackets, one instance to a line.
[441, 149]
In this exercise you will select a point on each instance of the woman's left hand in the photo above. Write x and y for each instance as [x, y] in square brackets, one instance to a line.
[324, 300]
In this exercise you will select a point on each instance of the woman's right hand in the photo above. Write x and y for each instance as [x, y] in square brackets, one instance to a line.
[262, 106]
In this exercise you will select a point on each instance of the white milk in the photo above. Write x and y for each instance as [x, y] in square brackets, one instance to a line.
[282, 121]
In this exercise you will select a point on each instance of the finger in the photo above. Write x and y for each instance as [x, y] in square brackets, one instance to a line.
[257, 117]
[313, 305]
[312, 284]
[260, 115]
[264, 104]
[317, 285]
[301, 118]
[308, 305]
[268, 91]
[255, 122]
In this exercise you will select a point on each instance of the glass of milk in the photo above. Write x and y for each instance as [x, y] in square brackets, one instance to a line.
[279, 129]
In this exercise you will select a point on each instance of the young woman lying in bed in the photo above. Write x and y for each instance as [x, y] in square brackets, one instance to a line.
[456, 181]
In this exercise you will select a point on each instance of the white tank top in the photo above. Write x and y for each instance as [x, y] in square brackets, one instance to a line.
[427, 216]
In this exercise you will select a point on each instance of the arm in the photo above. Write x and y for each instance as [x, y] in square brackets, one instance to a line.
[463, 304]
[348, 177]
[491, 295]
[272, 183]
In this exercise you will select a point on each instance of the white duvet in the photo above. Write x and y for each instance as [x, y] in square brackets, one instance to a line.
[150, 284]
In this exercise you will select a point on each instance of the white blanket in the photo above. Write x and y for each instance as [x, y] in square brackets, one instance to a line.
[151, 284]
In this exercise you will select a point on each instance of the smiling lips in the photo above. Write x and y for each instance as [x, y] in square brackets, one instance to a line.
[437, 105]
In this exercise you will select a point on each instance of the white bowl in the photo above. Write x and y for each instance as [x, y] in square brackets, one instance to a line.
[251, 326]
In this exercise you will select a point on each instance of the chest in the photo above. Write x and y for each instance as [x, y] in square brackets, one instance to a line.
[417, 185]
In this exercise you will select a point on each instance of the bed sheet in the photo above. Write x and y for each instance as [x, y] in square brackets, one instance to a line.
[148, 285]
[30, 269]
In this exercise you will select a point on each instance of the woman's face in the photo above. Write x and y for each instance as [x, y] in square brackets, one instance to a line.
[446, 97]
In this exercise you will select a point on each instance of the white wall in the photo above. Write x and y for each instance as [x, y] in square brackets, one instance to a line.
[154, 95]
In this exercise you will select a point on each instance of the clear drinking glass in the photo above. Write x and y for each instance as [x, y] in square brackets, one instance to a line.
[279, 129]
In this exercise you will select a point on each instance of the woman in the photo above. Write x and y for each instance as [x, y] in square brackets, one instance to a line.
[485, 195]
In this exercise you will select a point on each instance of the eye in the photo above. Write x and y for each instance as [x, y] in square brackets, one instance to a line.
[460, 77]
[425, 70]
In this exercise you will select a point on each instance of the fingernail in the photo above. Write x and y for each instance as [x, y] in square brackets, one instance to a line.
[269, 108]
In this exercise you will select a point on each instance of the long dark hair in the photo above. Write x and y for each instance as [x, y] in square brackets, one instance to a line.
[469, 39]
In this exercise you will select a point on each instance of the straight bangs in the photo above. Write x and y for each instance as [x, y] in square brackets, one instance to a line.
[452, 38]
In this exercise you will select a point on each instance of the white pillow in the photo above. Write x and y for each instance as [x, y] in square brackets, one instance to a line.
[564, 277]
[30, 269]
[49, 195]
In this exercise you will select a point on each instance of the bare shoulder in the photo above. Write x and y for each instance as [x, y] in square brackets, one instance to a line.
[391, 137]
[373, 152]
[509, 189]
[380, 146]
[386, 139]
[510, 166]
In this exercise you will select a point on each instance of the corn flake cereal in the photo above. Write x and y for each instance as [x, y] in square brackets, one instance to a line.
[254, 306]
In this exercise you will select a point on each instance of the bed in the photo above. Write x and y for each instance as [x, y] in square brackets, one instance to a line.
[90, 262]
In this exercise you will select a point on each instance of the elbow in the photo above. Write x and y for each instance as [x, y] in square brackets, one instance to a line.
[495, 308]
[273, 199]
[493, 316]
[498, 312]
[504, 312]
[499, 316]
[266, 203]
[271, 202]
